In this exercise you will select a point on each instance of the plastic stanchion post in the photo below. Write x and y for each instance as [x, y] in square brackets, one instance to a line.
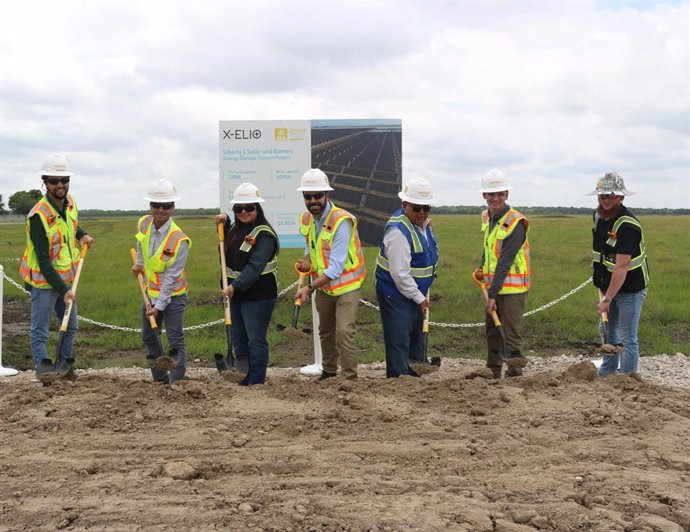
[315, 368]
[4, 372]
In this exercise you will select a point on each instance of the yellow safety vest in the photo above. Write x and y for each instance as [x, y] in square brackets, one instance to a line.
[164, 257]
[354, 271]
[517, 280]
[62, 243]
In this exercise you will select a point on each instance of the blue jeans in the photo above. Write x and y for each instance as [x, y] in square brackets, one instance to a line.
[624, 317]
[250, 320]
[402, 334]
[173, 317]
[43, 302]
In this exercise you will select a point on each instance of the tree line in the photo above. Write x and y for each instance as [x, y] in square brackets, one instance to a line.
[22, 202]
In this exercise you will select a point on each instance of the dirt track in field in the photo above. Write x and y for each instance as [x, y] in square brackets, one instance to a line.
[549, 451]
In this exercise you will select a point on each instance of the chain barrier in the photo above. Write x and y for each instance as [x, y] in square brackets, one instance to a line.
[285, 290]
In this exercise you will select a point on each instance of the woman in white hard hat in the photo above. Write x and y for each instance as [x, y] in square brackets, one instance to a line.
[251, 254]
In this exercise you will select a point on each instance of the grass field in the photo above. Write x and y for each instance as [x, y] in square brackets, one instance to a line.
[560, 245]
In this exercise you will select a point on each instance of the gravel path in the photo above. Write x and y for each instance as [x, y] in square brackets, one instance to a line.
[664, 369]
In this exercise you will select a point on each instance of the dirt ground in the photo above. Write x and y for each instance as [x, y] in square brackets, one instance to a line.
[560, 451]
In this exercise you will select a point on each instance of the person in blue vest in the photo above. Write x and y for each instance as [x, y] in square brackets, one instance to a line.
[162, 253]
[620, 272]
[251, 256]
[405, 269]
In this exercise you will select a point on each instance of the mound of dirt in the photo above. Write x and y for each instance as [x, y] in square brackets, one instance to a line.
[556, 450]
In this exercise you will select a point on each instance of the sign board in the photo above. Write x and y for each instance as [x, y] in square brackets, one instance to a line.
[362, 158]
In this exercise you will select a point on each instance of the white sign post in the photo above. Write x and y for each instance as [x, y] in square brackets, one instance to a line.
[4, 372]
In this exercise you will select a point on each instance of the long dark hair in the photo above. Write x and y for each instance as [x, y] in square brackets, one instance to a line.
[234, 232]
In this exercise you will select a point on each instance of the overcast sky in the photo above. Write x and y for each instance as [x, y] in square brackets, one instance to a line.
[554, 93]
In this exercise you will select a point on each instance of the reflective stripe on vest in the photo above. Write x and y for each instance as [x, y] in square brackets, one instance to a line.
[354, 271]
[62, 246]
[248, 244]
[518, 278]
[640, 261]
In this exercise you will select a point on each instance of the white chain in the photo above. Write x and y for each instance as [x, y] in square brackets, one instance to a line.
[284, 291]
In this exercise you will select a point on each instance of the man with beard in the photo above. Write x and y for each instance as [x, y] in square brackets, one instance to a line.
[49, 265]
[162, 252]
[334, 256]
[619, 261]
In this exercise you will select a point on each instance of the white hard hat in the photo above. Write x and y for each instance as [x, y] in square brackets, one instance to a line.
[246, 193]
[56, 165]
[611, 183]
[162, 190]
[418, 191]
[494, 181]
[314, 180]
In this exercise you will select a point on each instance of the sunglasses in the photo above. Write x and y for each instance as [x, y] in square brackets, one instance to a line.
[56, 180]
[246, 208]
[417, 208]
[315, 195]
[164, 206]
[607, 196]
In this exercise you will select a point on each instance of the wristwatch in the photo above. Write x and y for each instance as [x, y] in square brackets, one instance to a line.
[311, 288]
[605, 300]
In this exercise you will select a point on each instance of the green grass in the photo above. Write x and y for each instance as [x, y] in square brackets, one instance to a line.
[108, 292]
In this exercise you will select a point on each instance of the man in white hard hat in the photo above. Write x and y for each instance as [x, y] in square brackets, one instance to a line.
[619, 261]
[505, 267]
[49, 265]
[405, 269]
[334, 256]
[162, 252]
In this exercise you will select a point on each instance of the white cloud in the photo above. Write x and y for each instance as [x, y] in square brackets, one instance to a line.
[553, 93]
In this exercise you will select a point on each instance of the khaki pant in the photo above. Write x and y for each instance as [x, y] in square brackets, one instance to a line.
[337, 317]
[511, 307]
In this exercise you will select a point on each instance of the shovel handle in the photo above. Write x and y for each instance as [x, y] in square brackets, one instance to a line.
[425, 323]
[604, 315]
[142, 289]
[300, 283]
[481, 284]
[223, 272]
[70, 304]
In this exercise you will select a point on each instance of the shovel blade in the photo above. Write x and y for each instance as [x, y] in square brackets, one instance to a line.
[222, 364]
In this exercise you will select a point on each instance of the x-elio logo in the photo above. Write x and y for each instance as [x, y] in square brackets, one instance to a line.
[241, 134]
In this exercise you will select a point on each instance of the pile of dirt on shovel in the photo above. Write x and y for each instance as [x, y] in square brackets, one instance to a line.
[555, 450]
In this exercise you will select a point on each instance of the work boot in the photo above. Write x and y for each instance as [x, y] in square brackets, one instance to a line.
[242, 364]
[46, 372]
[325, 375]
[516, 360]
[221, 363]
[65, 369]
[175, 357]
[496, 371]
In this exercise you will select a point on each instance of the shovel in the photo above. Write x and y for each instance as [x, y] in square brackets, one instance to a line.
[494, 315]
[293, 331]
[151, 361]
[606, 348]
[224, 363]
[435, 361]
